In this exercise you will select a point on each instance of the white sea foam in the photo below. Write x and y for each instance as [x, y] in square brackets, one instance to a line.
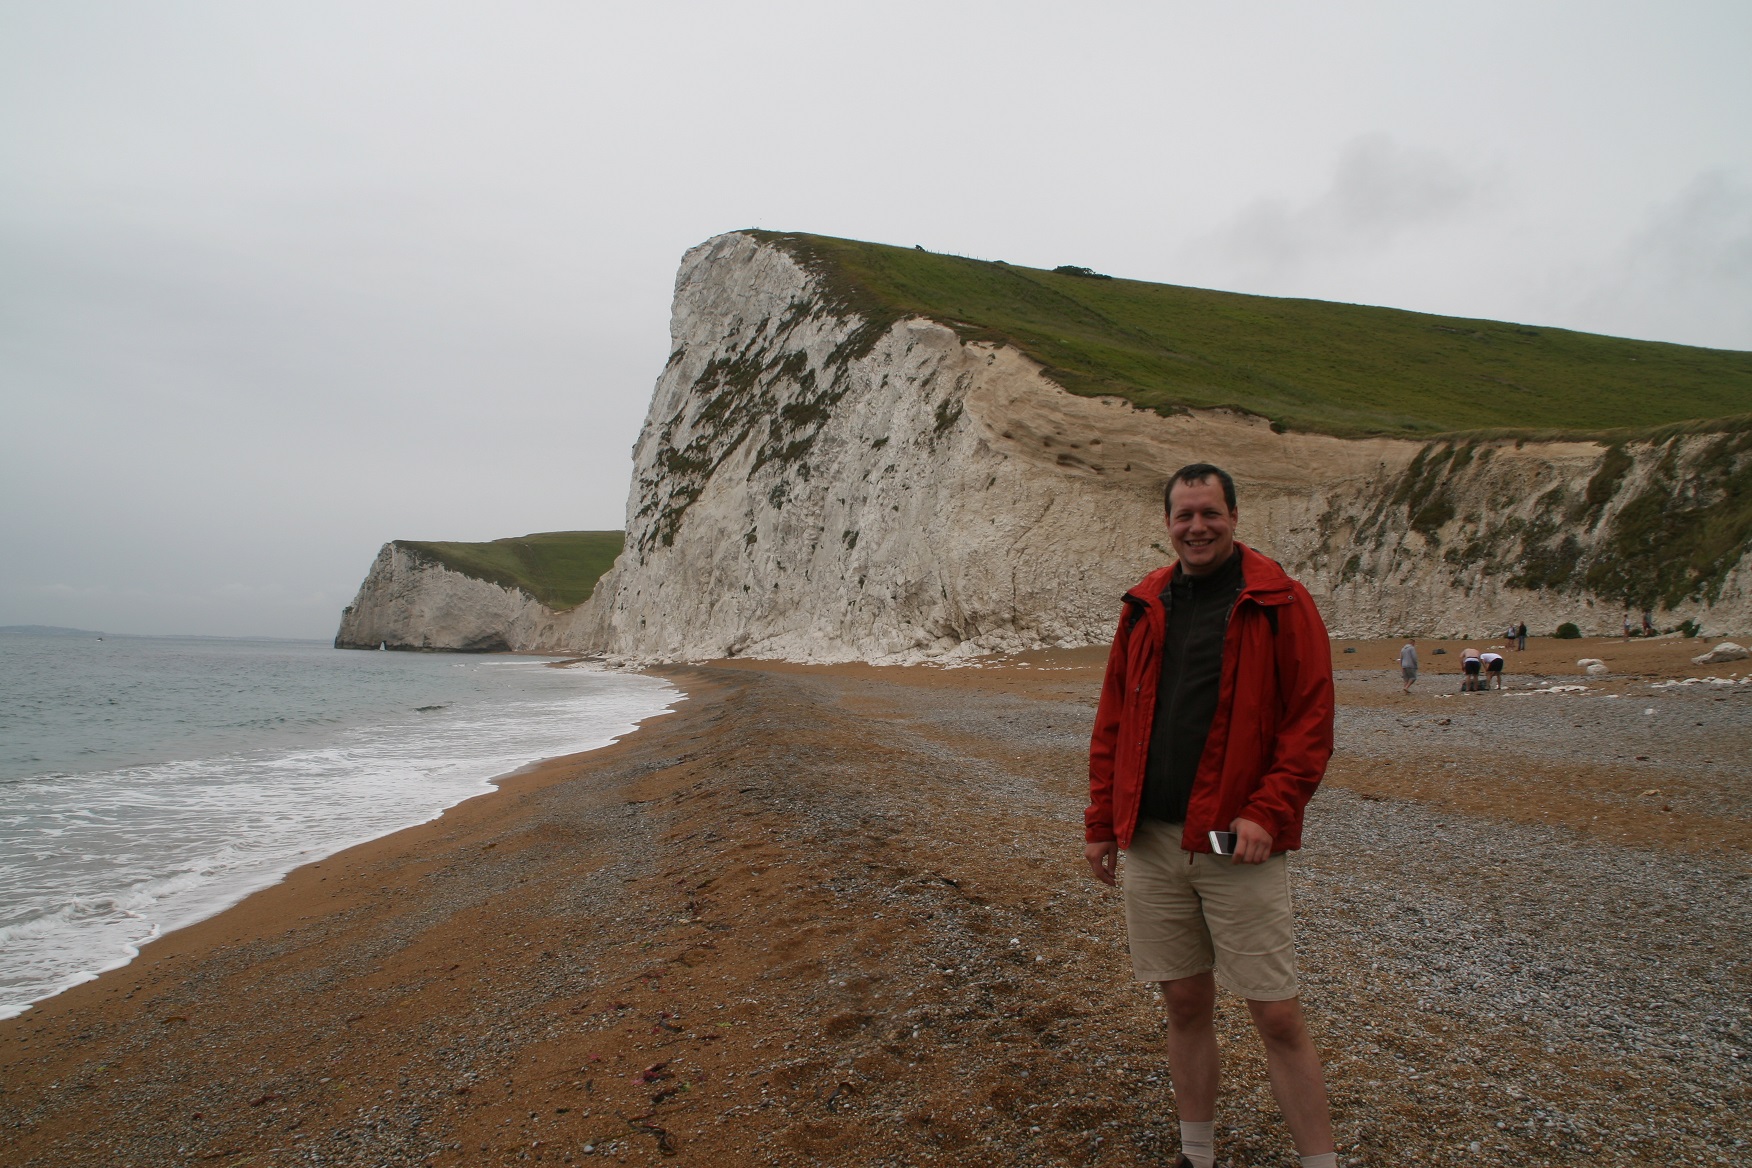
[94, 865]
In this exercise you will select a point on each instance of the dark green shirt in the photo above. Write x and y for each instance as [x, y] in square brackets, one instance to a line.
[1186, 696]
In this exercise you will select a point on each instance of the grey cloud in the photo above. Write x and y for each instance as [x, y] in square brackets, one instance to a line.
[1380, 189]
[1704, 235]
[1686, 275]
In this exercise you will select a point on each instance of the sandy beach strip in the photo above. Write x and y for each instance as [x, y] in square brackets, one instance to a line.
[839, 915]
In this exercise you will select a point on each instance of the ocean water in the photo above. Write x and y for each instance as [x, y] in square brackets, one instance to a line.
[149, 782]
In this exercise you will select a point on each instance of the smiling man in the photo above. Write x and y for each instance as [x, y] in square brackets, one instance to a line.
[1216, 715]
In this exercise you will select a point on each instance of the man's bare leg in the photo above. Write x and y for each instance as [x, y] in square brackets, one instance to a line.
[1296, 1077]
[1192, 1045]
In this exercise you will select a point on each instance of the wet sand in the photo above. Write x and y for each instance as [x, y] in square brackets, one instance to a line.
[839, 915]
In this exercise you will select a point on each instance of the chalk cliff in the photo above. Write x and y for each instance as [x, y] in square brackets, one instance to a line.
[810, 486]
[822, 480]
[409, 600]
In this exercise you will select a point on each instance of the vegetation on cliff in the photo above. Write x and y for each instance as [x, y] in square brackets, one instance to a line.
[558, 568]
[1681, 534]
[1342, 369]
[1669, 533]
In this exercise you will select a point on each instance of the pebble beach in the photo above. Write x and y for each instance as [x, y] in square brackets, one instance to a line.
[839, 915]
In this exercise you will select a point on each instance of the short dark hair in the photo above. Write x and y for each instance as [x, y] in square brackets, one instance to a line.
[1198, 472]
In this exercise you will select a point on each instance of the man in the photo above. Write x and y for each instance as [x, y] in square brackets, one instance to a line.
[1493, 669]
[1216, 714]
[1521, 636]
[1470, 665]
[1408, 663]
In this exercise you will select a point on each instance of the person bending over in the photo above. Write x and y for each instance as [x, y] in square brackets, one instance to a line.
[1471, 667]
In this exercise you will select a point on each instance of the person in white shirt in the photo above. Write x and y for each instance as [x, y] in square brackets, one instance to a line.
[1408, 663]
[1493, 669]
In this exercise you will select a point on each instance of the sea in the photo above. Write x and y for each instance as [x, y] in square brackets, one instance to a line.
[149, 782]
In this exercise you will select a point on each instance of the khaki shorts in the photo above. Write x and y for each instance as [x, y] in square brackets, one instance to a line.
[1189, 912]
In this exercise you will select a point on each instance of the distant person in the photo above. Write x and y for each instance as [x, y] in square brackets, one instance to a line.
[1627, 626]
[1408, 663]
[1648, 623]
[1215, 716]
[1521, 636]
[1471, 665]
[1493, 669]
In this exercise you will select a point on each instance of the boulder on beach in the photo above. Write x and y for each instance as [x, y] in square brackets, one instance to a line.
[1597, 668]
[1726, 651]
[1589, 662]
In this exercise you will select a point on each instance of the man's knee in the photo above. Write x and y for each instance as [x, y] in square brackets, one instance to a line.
[1191, 1001]
[1279, 1023]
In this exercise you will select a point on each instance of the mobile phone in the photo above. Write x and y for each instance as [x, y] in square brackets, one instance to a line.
[1223, 843]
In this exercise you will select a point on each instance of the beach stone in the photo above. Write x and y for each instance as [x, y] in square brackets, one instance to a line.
[1726, 651]
[1586, 662]
[1597, 668]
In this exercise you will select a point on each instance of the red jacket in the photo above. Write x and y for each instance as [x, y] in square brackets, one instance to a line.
[1270, 737]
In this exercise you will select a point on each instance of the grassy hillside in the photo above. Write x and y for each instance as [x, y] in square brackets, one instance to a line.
[1305, 364]
[558, 568]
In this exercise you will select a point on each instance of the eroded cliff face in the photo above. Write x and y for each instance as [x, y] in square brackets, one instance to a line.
[811, 486]
[411, 601]
[1465, 532]
[815, 486]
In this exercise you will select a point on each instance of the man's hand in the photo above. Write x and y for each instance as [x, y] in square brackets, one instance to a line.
[1252, 842]
[1103, 859]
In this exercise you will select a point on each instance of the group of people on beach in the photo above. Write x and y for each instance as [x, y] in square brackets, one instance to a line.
[1479, 669]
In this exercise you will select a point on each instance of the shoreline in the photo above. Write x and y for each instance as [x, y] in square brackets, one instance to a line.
[231, 897]
[836, 914]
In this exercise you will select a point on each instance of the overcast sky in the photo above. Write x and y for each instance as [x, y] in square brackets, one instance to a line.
[282, 281]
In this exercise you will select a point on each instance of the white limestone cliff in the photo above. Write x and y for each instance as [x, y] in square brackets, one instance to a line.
[812, 487]
[411, 601]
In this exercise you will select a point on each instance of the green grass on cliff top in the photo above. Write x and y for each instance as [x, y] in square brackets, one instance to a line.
[1343, 369]
[558, 568]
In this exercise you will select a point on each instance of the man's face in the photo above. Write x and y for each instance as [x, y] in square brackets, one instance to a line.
[1201, 526]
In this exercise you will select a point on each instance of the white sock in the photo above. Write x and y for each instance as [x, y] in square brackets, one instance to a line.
[1323, 1160]
[1198, 1142]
